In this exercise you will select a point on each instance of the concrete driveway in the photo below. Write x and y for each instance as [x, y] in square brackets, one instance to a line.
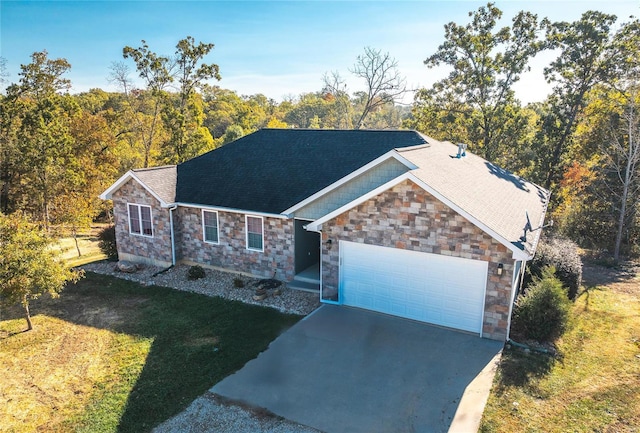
[349, 370]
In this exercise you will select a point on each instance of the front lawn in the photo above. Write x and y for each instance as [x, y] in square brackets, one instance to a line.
[594, 386]
[111, 355]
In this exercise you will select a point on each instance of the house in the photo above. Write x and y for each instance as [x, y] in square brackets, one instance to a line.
[392, 221]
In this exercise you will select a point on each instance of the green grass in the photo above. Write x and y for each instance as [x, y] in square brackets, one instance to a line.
[594, 386]
[88, 243]
[113, 356]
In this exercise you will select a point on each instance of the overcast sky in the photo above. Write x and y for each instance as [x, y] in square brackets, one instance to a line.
[279, 49]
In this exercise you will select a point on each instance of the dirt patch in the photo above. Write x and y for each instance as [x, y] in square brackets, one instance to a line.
[623, 278]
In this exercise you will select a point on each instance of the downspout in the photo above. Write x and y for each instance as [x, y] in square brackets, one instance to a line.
[173, 243]
[516, 291]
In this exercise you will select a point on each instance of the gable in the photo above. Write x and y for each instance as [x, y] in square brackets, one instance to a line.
[354, 188]
[160, 182]
[497, 199]
[518, 253]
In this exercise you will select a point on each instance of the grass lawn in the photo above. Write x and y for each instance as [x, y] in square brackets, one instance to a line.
[113, 356]
[594, 386]
[88, 244]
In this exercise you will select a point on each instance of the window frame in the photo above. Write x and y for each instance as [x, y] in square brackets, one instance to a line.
[204, 227]
[246, 225]
[137, 209]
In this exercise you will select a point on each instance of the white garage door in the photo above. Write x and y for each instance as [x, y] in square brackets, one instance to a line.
[442, 290]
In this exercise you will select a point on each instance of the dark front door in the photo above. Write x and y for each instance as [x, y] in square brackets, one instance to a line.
[307, 247]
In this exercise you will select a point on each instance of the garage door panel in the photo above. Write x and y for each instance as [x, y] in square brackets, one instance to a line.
[438, 289]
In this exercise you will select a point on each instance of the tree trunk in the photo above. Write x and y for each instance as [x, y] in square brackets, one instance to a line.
[27, 314]
[74, 232]
[631, 155]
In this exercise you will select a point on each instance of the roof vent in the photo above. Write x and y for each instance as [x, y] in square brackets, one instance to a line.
[462, 150]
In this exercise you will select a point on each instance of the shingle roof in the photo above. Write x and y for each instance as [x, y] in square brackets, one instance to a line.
[490, 194]
[161, 180]
[273, 169]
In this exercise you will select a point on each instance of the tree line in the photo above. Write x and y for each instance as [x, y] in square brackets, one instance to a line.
[59, 150]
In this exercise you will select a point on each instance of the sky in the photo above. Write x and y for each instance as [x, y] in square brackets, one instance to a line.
[278, 48]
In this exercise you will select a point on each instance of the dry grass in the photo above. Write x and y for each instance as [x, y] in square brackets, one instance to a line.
[50, 374]
[88, 244]
[112, 356]
[595, 384]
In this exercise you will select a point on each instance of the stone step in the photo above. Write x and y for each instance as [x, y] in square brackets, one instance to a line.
[302, 278]
[305, 286]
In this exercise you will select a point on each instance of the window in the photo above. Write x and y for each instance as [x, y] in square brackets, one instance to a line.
[254, 233]
[140, 220]
[210, 226]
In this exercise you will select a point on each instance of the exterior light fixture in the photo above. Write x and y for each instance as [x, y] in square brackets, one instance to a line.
[500, 268]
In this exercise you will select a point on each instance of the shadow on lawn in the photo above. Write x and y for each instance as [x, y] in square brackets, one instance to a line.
[197, 341]
[518, 368]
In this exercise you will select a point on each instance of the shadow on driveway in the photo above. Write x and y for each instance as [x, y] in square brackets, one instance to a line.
[349, 370]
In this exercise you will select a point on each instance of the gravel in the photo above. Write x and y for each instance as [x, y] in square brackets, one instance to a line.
[216, 283]
[209, 413]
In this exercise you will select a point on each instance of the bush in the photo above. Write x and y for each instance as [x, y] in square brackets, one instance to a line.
[562, 254]
[107, 242]
[196, 272]
[542, 312]
[238, 283]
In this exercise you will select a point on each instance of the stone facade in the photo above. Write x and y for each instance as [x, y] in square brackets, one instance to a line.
[408, 217]
[155, 250]
[231, 251]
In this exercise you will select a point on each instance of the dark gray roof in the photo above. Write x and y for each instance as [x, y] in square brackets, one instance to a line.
[273, 169]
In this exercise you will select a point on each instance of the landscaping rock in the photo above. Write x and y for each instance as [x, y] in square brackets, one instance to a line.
[216, 283]
[127, 267]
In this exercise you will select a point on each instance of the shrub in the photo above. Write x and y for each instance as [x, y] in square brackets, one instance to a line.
[562, 254]
[196, 272]
[107, 242]
[238, 283]
[542, 312]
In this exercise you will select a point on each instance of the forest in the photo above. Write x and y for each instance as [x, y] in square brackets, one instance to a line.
[59, 151]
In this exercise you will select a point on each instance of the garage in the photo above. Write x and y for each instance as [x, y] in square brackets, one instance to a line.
[442, 290]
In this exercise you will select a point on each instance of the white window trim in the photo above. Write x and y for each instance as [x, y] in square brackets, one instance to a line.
[204, 230]
[139, 207]
[246, 230]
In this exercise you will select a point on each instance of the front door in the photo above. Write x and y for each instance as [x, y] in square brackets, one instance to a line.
[307, 248]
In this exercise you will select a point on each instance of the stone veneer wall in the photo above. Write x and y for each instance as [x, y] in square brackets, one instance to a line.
[408, 217]
[154, 250]
[231, 252]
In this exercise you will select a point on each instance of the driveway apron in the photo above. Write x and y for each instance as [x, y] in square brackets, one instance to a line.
[349, 370]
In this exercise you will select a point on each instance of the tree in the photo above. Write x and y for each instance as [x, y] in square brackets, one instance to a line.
[42, 140]
[28, 266]
[188, 137]
[622, 159]
[182, 115]
[335, 90]
[155, 72]
[477, 96]
[384, 83]
[626, 143]
[586, 59]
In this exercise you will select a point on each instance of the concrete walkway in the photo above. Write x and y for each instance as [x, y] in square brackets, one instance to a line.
[349, 370]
